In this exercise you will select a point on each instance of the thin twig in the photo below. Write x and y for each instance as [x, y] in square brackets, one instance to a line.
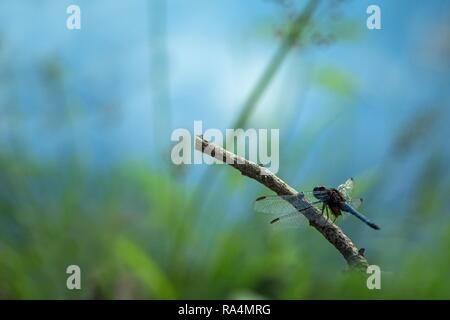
[329, 230]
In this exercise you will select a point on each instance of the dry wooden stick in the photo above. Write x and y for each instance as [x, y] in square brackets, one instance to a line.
[329, 230]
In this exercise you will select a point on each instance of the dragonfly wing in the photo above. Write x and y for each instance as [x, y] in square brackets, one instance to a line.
[278, 205]
[346, 188]
[291, 220]
[282, 209]
[356, 203]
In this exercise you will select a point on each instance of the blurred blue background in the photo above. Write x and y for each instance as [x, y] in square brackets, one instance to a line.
[85, 123]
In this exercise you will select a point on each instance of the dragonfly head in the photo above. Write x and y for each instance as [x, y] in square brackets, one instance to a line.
[321, 193]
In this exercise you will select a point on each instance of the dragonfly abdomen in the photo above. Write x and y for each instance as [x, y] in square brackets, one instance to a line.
[348, 208]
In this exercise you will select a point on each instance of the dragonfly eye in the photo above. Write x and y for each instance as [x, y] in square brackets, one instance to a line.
[320, 193]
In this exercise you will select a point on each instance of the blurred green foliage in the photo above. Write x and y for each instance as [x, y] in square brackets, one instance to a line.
[129, 231]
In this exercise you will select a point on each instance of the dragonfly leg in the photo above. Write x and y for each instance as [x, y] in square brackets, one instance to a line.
[328, 213]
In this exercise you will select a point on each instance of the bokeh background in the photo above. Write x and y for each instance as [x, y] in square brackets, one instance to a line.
[85, 123]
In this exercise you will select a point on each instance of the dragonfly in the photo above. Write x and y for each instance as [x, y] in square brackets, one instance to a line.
[330, 201]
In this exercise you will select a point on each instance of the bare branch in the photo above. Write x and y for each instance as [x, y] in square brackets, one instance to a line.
[329, 230]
